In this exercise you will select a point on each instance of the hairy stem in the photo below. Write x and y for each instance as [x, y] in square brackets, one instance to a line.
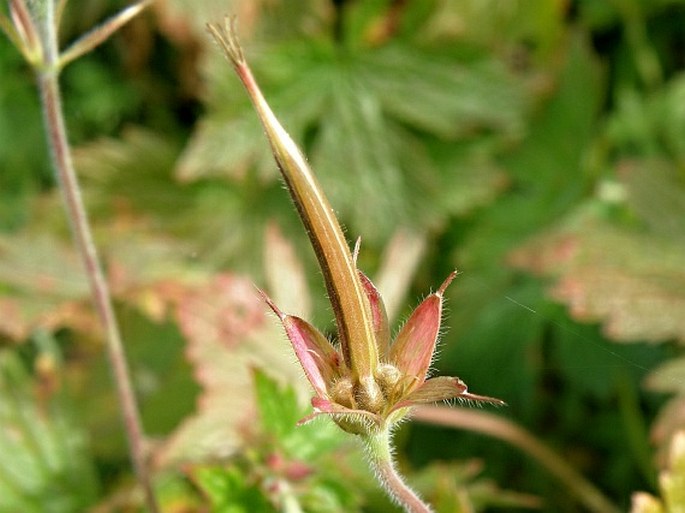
[69, 186]
[379, 452]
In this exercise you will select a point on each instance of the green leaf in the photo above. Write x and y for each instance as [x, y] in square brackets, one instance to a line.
[353, 141]
[366, 117]
[130, 171]
[229, 491]
[130, 181]
[46, 467]
[280, 410]
[278, 406]
[441, 96]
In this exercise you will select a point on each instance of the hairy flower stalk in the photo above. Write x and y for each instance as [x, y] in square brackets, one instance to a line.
[367, 383]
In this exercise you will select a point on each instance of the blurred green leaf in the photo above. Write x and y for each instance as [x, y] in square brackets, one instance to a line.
[546, 179]
[364, 115]
[45, 465]
[229, 491]
[458, 488]
[96, 103]
[670, 377]
[209, 223]
[130, 172]
[24, 166]
[278, 408]
[650, 126]
[43, 286]
[475, 123]
[656, 194]
[635, 290]
[442, 96]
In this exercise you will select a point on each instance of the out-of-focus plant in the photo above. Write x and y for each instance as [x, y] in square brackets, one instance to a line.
[616, 258]
[282, 466]
[46, 464]
[671, 483]
[32, 27]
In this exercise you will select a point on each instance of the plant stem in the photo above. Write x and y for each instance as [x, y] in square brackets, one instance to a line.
[378, 448]
[497, 427]
[68, 181]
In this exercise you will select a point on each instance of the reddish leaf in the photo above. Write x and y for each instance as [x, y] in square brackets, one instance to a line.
[229, 332]
[43, 287]
[631, 281]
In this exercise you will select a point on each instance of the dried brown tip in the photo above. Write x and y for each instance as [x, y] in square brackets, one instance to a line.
[226, 36]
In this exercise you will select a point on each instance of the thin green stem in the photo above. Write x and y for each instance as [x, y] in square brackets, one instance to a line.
[635, 427]
[71, 191]
[646, 58]
[379, 452]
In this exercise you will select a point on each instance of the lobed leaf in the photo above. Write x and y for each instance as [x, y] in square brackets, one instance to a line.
[278, 406]
[45, 464]
[630, 281]
[369, 132]
[228, 333]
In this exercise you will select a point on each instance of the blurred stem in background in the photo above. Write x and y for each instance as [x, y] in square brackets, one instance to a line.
[33, 29]
[646, 59]
[497, 427]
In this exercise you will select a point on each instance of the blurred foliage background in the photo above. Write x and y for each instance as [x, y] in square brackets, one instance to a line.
[538, 146]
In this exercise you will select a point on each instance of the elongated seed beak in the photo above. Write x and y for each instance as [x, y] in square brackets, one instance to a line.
[346, 293]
